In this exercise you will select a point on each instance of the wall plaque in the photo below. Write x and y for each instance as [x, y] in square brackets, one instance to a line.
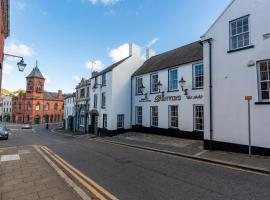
[266, 36]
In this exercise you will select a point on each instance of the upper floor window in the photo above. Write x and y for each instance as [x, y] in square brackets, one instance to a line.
[30, 86]
[95, 100]
[104, 79]
[56, 106]
[47, 106]
[82, 93]
[103, 100]
[198, 76]
[173, 80]
[239, 33]
[264, 80]
[95, 83]
[38, 87]
[139, 85]
[154, 83]
[37, 106]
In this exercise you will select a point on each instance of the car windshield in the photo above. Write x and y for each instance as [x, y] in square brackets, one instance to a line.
[3, 128]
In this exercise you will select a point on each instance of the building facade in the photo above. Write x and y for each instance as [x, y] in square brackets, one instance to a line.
[37, 106]
[167, 93]
[237, 64]
[5, 108]
[69, 111]
[4, 26]
[110, 105]
[81, 121]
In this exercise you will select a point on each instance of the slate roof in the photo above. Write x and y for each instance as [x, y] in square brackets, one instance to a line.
[50, 95]
[35, 73]
[111, 67]
[182, 55]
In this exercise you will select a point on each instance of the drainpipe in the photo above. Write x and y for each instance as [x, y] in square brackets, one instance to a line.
[131, 105]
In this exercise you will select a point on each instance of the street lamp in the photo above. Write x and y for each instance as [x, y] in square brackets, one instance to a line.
[21, 64]
[159, 84]
[182, 83]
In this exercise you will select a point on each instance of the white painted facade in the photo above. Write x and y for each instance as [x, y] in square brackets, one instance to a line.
[5, 107]
[236, 75]
[185, 105]
[117, 91]
[69, 109]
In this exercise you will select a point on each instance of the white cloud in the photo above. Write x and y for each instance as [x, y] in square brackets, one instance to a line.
[8, 69]
[96, 65]
[77, 78]
[103, 2]
[48, 79]
[152, 42]
[120, 52]
[18, 49]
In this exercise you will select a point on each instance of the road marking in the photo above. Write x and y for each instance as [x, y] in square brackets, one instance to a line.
[5, 158]
[82, 178]
[200, 153]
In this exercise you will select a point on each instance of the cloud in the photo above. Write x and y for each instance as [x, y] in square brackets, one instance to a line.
[8, 69]
[18, 49]
[103, 2]
[77, 78]
[20, 6]
[152, 42]
[97, 65]
[120, 52]
[48, 79]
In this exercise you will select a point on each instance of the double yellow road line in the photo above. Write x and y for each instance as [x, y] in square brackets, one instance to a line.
[96, 190]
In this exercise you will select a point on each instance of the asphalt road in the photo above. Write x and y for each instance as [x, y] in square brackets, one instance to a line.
[132, 174]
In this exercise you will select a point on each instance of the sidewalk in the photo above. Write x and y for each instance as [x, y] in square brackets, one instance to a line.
[24, 174]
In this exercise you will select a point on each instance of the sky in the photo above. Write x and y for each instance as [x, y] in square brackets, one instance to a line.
[66, 35]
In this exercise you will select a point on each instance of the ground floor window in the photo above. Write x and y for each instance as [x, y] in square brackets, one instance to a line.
[104, 120]
[198, 117]
[173, 116]
[120, 121]
[264, 79]
[139, 115]
[154, 116]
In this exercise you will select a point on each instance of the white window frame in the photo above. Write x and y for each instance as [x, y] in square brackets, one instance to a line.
[120, 121]
[154, 85]
[95, 100]
[171, 81]
[103, 100]
[265, 80]
[105, 120]
[139, 115]
[240, 34]
[154, 116]
[195, 76]
[196, 117]
[139, 91]
[173, 116]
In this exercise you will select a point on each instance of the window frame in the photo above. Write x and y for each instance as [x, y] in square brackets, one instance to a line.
[103, 100]
[95, 100]
[137, 115]
[151, 117]
[103, 80]
[122, 117]
[170, 116]
[151, 83]
[105, 122]
[194, 76]
[82, 92]
[260, 80]
[194, 118]
[169, 78]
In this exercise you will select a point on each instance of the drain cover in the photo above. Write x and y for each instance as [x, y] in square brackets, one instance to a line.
[10, 157]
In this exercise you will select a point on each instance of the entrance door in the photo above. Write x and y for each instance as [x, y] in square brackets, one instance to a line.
[94, 119]
[36, 119]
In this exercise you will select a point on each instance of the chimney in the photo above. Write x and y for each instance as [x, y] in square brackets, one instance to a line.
[149, 53]
[60, 95]
[94, 73]
[134, 50]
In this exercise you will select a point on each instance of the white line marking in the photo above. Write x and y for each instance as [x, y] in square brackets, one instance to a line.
[5, 158]
[200, 153]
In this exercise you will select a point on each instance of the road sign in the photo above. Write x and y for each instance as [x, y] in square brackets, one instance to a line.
[248, 98]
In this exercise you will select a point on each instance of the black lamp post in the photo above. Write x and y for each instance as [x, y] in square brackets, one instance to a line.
[182, 83]
[21, 64]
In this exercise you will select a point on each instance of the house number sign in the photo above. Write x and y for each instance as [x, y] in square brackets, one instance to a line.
[266, 36]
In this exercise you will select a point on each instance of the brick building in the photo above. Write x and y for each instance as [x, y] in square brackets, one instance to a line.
[35, 105]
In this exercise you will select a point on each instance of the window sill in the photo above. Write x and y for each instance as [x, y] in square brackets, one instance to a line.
[240, 49]
[139, 94]
[173, 91]
[201, 88]
[262, 103]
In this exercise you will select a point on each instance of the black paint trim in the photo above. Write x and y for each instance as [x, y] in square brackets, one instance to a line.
[262, 103]
[238, 148]
[240, 49]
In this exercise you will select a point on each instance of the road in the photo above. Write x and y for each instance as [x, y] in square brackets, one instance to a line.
[133, 174]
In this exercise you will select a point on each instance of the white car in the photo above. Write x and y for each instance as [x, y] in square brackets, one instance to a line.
[26, 126]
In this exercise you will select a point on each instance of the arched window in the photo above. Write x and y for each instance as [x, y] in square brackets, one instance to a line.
[38, 87]
[29, 106]
[37, 106]
[56, 106]
[47, 106]
[30, 86]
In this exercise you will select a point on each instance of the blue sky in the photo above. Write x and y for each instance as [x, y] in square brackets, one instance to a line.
[63, 35]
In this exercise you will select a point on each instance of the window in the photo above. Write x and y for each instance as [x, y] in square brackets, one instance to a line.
[154, 83]
[264, 80]
[95, 100]
[103, 79]
[56, 106]
[198, 76]
[47, 106]
[239, 33]
[139, 85]
[139, 115]
[82, 93]
[29, 106]
[120, 121]
[154, 116]
[173, 80]
[198, 117]
[95, 83]
[37, 106]
[87, 92]
[103, 100]
[173, 116]
[104, 120]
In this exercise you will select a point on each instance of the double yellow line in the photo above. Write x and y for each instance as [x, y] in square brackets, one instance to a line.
[98, 191]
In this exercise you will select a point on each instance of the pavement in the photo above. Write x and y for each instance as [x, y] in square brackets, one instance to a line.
[134, 173]
[24, 175]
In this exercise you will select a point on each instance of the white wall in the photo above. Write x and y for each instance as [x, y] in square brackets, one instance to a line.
[185, 106]
[232, 79]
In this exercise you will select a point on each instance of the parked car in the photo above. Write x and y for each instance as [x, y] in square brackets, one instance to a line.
[26, 126]
[4, 132]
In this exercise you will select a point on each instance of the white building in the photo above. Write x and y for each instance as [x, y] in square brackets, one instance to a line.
[69, 111]
[168, 93]
[110, 105]
[237, 64]
[5, 107]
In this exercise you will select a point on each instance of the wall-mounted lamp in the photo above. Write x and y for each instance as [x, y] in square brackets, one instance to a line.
[182, 83]
[21, 64]
[159, 84]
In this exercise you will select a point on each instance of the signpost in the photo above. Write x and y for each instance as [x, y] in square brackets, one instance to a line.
[248, 99]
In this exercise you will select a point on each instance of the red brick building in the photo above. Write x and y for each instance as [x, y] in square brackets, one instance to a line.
[37, 106]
